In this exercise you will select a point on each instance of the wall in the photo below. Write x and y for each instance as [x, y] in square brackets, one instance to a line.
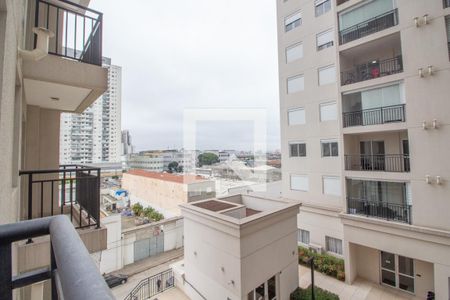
[163, 194]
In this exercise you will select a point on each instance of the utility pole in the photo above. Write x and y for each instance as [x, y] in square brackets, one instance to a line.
[310, 261]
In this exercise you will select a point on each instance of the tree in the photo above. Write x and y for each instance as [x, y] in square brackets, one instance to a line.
[173, 167]
[207, 159]
[137, 209]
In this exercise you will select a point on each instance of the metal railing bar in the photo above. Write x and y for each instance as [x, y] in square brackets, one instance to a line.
[31, 277]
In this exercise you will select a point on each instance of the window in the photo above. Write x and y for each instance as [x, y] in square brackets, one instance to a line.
[333, 245]
[328, 111]
[397, 271]
[325, 39]
[293, 21]
[296, 116]
[364, 12]
[299, 183]
[327, 75]
[447, 25]
[329, 148]
[303, 236]
[322, 6]
[295, 84]
[294, 52]
[331, 186]
[297, 149]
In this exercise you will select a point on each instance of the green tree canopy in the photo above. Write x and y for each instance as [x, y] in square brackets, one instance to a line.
[207, 159]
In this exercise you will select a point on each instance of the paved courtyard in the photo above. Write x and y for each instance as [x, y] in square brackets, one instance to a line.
[359, 290]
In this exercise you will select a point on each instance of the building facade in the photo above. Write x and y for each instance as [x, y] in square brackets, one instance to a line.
[127, 146]
[39, 80]
[239, 247]
[164, 191]
[94, 136]
[364, 120]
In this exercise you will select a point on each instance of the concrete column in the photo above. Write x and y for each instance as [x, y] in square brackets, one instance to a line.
[442, 281]
[350, 262]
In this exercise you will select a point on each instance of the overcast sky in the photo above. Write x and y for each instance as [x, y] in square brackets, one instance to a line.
[184, 54]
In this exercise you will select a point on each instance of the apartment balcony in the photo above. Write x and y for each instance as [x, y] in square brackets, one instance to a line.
[372, 69]
[379, 199]
[374, 116]
[70, 77]
[71, 190]
[369, 26]
[377, 163]
[446, 3]
[71, 270]
[387, 211]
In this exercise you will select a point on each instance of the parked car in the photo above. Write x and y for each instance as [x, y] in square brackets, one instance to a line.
[115, 280]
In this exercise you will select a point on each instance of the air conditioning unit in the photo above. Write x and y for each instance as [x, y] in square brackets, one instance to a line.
[316, 248]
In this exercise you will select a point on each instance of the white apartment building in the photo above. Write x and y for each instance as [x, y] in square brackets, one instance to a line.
[364, 90]
[95, 135]
[239, 247]
[127, 146]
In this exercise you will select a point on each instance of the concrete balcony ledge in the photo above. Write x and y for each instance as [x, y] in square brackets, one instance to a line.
[63, 84]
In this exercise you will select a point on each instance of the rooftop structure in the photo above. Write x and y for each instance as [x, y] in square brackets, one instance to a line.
[240, 247]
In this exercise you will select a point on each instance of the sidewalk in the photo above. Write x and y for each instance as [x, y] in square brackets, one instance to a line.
[151, 262]
[359, 290]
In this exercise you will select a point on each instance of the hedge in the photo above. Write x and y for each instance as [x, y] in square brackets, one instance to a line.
[320, 294]
[323, 263]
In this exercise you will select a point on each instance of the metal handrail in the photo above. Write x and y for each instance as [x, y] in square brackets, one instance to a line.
[378, 162]
[72, 272]
[374, 116]
[372, 69]
[148, 287]
[367, 27]
[382, 210]
[72, 24]
[75, 187]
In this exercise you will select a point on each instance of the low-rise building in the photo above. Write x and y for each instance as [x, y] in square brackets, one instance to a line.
[239, 247]
[165, 191]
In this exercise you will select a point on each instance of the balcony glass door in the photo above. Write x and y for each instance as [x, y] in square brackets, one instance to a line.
[372, 155]
[397, 271]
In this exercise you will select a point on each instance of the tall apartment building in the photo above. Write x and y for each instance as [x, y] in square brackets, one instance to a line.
[127, 146]
[365, 127]
[95, 135]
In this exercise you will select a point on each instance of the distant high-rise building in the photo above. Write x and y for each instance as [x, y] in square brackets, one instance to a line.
[127, 147]
[95, 135]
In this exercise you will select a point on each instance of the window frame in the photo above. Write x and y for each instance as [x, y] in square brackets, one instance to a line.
[332, 177]
[328, 248]
[293, 24]
[292, 47]
[293, 78]
[324, 8]
[328, 104]
[298, 175]
[300, 236]
[326, 45]
[325, 68]
[296, 109]
[297, 143]
[329, 142]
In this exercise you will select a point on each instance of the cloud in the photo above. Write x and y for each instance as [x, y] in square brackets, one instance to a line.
[198, 53]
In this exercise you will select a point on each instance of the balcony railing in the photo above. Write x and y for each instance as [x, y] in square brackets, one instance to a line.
[382, 162]
[374, 116]
[73, 190]
[77, 29]
[382, 210]
[373, 69]
[72, 272]
[446, 3]
[151, 286]
[368, 27]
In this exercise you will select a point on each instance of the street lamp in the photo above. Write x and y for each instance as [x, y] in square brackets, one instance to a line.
[310, 261]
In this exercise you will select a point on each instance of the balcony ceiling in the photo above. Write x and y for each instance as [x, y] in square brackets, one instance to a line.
[75, 85]
[385, 43]
[54, 95]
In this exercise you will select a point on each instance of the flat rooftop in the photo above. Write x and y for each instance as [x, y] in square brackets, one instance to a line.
[239, 207]
[183, 179]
